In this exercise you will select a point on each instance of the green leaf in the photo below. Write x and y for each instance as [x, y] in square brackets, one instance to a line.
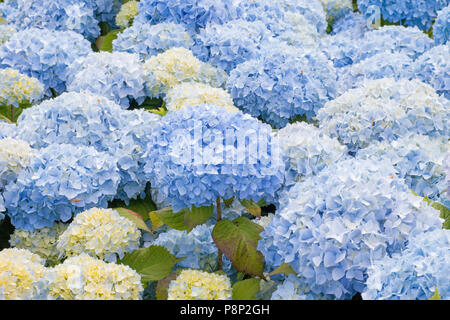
[228, 202]
[285, 268]
[162, 288]
[104, 43]
[444, 211]
[161, 111]
[246, 289]
[133, 216]
[141, 206]
[238, 240]
[197, 216]
[168, 217]
[252, 208]
[153, 263]
[436, 295]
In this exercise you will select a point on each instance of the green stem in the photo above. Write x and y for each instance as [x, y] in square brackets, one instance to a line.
[219, 217]
[12, 113]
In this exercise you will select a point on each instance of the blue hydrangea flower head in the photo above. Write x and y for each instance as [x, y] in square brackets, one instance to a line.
[415, 273]
[408, 12]
[384, 110]
[433, 67]
[193, 14]
[199, 153]
[447, 174]
[60, 15]
[227, 45]
[353, 25]
[118, 76]
[61, 181]
[331, 227]
[149, 40]
[283, 83]
[7, 129]
[291, 288]
[381, 65]
[44, 54]
[441, 27]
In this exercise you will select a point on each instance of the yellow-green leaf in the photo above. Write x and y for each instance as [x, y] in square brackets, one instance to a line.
[133, 216]
[285, 268]
[246, 289]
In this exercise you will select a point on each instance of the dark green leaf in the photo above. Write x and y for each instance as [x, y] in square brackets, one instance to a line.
[246, 289]
[168, 217]
[197, 216]
[162, 288]
[252, 208]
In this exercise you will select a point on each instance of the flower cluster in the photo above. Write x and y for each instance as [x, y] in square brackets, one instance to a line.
[447, 173]
[282, 84]
[415, 273]
[6, 31]
[44, 55]
[194, 94]
[15, 155]
[61, 15]
[299, 32]
[353, 25]
[382, 65]
[149, 40]
[419, 160]
[7, 129]
[102, 233]
[16, 88]
[21, 274]
[336, 9]
[441, 27]
[408, 12]
[306, 151]
[85, 278]
[291, 289]
[127, 12]
[226, 46]
[193, 14]
[200, 153]
[433, 68]
[117, 76]
[332, 226]
[41, 241]
[198, 285]
[60, 181]
[177, 65]
[385, 109]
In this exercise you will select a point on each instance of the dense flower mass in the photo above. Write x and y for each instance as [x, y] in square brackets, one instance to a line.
[41, 241]
[177, 65]
[198, 285]
[333, 226]
[193, 14]
[226, 46]
[291, 289]
[282, 84]
[299, 32]
[447, 173]
[433, 67]
[353, 25]
[409, 12]
[60, 181]
[16, 88]
[7, 129]
[117, 76]
[102, 233]
[200, 153]
[85, 278]
[382, 65]
[384, 110]
[441, 27]
[127, 12]
[149, 40]
[415, 273]
[419, 160]
[6, 31]
[21, 274]
[194, 94]
[62, 15]
[44, 55]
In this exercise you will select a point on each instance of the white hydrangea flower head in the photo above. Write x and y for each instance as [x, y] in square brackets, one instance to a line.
[86, 278]
[102, 233]
[192, 94]
[15, 155]
[21, 275]
[17, 88]
[127, 12]
[199, 285]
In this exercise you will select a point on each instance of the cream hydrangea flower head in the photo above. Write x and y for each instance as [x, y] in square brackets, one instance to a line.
[192, 94]
[86, 278]
[40, 241]
[21, 275]
[177, 65]
[199, 285]
[16, 88]
[127, 13]
[102, 233]
[15, 155]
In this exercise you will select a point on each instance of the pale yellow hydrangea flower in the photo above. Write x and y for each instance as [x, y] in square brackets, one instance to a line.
[40, 241]
[193, 94]
[15, 155]
[85, 278]
[16, 88]
[199, 285]
[102, 233]
[21, 275]
[126, 14]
